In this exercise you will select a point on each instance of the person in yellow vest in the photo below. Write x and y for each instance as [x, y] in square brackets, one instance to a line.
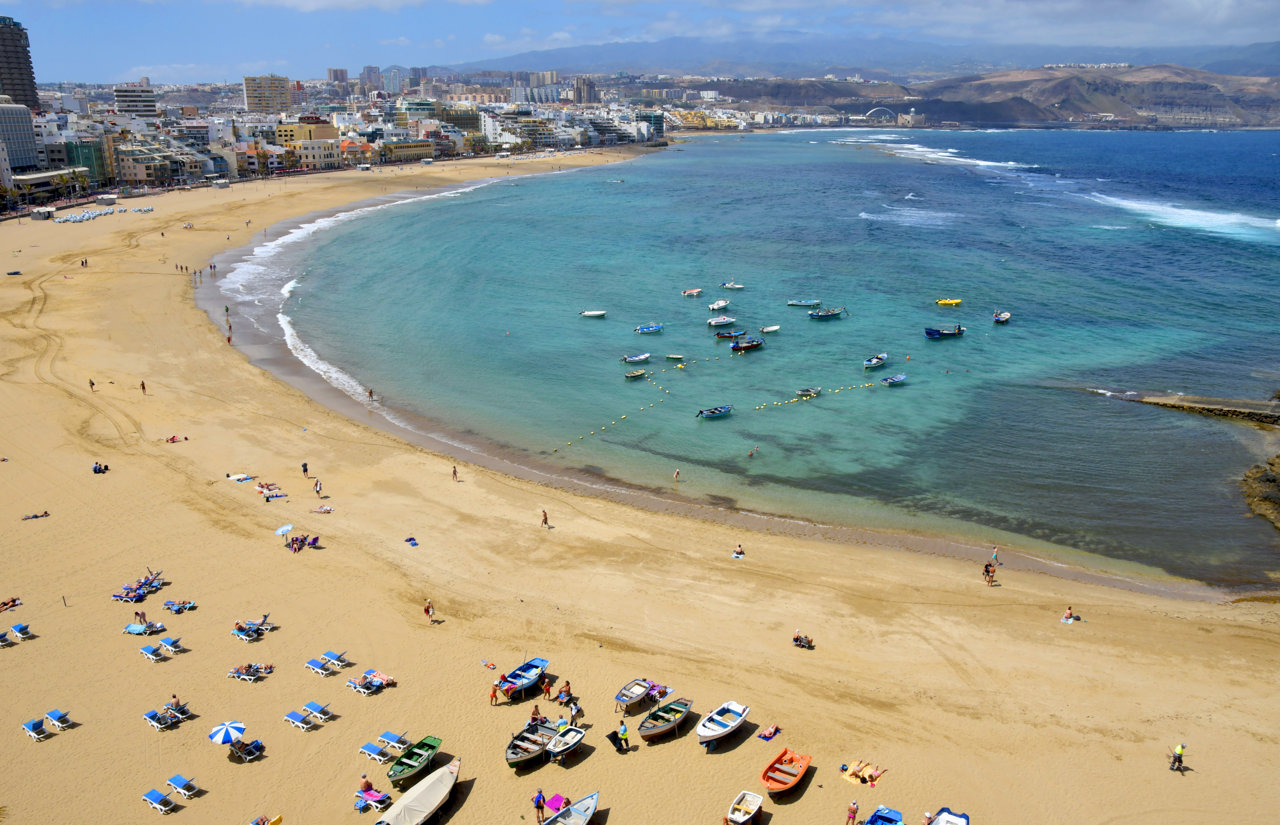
[1176, 763]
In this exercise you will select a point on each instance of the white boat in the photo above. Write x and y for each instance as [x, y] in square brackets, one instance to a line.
[675, 357]
[731, 285]
[721, 722]
[718, 305]
[425, 798]
[579, 813]
[745, 806]
[771, 328]
[564, 742]
[593, 313]
[721, 321]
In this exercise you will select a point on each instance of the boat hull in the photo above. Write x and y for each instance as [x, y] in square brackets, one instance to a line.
[565, 742]
[529, 745]
[721, 722]
[632, 694]
[523, 677]
[579, 813]
[416, 759]
[425, 798]
[745, 807]
[785, 771]
[715, 412]
[827, 314]
[664, 719]
[723, 320]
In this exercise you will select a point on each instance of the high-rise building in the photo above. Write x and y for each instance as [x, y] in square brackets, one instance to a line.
[135, 99]
[337, 75]
[18, 132]
[266, 93]
[393, 80]
[584, 90]
[17, 78]
[371, 78]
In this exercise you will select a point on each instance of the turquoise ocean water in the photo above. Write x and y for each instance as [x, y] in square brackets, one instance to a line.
[1130, 261]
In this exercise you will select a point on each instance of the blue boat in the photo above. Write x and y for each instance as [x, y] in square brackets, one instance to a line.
[946, 816]
[747, 343]
[522, 678]
[827, 314]
[807, 303]
[635, 359]
[875, 361]
[893, 379]
[715, 412]
[934, 334]
[731, 333]
[646, 329]
[884, 816]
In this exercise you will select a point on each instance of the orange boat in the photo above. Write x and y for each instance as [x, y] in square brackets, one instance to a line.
[785, 771]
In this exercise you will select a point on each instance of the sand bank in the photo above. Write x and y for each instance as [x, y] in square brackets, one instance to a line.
[973, 697]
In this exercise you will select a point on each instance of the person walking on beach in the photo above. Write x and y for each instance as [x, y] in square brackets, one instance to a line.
[144, 387]
[1175, 764]
[455, 473]
[623, 745]
[539, 805]
[989, 574]
[676, 477]
[304, 470]
[575, 713]
[546, 687]
[995, 555]
[430, 611]
[91, 386]
[544, 520]
[318, 488]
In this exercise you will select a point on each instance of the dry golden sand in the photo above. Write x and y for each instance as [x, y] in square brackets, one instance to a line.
[973, 697]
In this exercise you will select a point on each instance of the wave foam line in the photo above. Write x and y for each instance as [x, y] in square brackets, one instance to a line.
[1236, 225]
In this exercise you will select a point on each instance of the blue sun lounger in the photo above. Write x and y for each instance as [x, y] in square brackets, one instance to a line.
[157, 720]
[22, 631]
[128, 596]
[5, 641]
[335, 659]
[35, 729]
[375, 753]
[160, 801]
[318, 667]
[245, 635]
[318, 710]
[183, 786]
[152, 652]
[395, 740]
[58, 719]
[251, 751]
[173, 645]
[301, 721]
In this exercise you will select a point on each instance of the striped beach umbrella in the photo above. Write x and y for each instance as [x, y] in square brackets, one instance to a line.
[226, 733]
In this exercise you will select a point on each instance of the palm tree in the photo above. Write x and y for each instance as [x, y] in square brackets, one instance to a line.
[81, 181]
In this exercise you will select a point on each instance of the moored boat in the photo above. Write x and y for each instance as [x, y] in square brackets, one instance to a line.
[827, 314]
[713, 412]
[721, 722]
[809, 392]
[731, 285]
[577, 813]
[691, 293]
[635, 359]
[875, 361]
[649, 329]
[664, 719]
[785, 771]
[522, 678]
[948, 302]
[425, 798]
[1001, 317]
[716, 306]
[564, 743]
[674, 357]
[893, 379]
[416, 759]
[744, 808]
[635, 374]
[721, 320]
[530, 744]
[747, 343]
[731, 333]
[950, 332]
[594, 313]
[632, 694]
[771, 328]
[805, 303]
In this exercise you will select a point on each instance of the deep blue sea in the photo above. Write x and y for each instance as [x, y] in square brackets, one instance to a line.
[1130, 262]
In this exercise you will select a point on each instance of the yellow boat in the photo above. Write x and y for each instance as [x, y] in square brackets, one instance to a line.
[948, 302]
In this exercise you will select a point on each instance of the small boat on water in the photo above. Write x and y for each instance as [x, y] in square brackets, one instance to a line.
[721, 320]
[713, 412]
[1001, 317]
[884, 816]
[524, 677]
[635, 374]
[530, 744]
[674, 357]
[594, 313]
[893, 380]
[664, 719]
[691, 293]
[425, 798]
[577, 813]
[744, 808]
[721, 722]
[416, 759]
[564, 743]
[632, 694]
[934, 334]
[716, 306]
[827, 314]
[805, 303]
[731, 333]
[785, 771]
[747, 343]
[731, 285]
[948, 302]
[771, 328]
[649, 329]
[635, 359]
[875, 361]
[809, 392]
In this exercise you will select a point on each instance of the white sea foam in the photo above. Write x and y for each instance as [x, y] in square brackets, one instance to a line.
[1109, 228]
[288, 288]
[1236, 225]
[911, 196]
[910, 216]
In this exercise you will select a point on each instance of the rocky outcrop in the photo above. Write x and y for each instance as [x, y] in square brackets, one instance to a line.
[1261, 487]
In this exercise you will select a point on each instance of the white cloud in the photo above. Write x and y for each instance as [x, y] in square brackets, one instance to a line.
[493, 40]
[395, 41]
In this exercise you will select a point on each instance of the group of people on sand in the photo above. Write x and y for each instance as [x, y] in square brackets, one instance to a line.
[296, 543]
[801, 640]
[252, 669]
[864, 772]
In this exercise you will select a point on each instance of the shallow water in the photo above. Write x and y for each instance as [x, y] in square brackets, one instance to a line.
[1130, 261]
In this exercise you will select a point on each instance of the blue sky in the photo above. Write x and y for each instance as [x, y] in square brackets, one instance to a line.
[213, 40]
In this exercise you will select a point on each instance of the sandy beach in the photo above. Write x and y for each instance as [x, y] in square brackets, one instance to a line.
[970, 696]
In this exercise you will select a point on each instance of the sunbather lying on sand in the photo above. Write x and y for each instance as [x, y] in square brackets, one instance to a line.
[173, 439]
[45, 514]
[324, 508]
[9, 604]
[386, 680]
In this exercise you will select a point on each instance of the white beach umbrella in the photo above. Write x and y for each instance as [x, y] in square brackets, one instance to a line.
[226, 733]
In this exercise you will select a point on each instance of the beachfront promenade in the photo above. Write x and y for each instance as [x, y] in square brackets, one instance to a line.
[972, 696]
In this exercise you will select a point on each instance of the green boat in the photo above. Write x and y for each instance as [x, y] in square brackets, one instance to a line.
[415, 760]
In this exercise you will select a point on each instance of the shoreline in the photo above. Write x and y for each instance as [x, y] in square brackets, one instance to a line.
[916, 659]
[271, 352]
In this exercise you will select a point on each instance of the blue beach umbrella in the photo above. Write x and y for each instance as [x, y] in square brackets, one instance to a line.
[226, 733]
[284, 531]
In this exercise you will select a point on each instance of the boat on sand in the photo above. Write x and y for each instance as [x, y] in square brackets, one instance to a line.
[721, 722]
[744, 808]
[632, 694]
[785, 771]
[522, 678]
[425, 798]
[577, 813]
[416, 759]
[530, 744]
[664, 719]
[564, 743]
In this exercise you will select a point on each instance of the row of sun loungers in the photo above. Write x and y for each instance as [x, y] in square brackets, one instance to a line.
[36, 729]
[20, 631]
[141, 589]
[169, 645]
[161, 801]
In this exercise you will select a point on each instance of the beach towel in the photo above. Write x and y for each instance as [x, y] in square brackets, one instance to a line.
[240, 477]
[412, 541]
[768, 733]
[555, 803]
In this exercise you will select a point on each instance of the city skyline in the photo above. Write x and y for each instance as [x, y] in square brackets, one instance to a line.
[137, 37]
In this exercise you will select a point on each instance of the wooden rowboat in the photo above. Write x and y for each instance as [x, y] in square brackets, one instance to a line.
[530, 744]
[522, 678]
[744, 808]
[721, 722]
[635, 374]
[577, 813]
[414, 760]
[564, 743]
[664, 719]
[632, 694]
[785, 771]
